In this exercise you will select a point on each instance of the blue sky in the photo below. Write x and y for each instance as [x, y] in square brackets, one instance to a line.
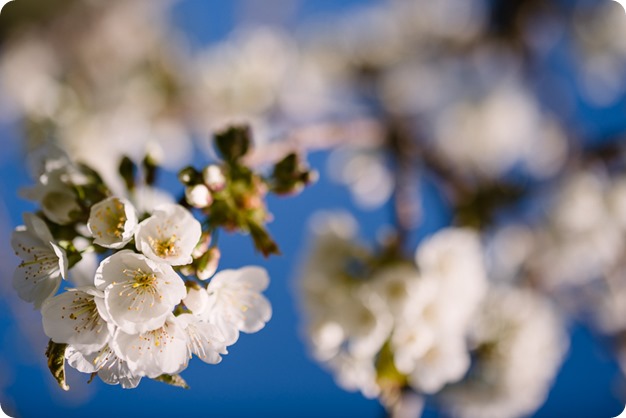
[269, 373]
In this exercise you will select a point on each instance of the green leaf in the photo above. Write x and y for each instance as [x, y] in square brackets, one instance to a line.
[291, 175]
[173, 380]
[233, 142]
[150, 170]
[262, 240]
[56, 362]
[189, 176]
[388, 376]
[128, 171]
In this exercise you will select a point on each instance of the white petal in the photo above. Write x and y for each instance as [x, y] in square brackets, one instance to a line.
[169, 235]
[197, 300]
[162, 351]
[110, 368]
[205, 340]
[83, 273]
[235, 299]
[34, 285]
[38, 227]
[72, 318]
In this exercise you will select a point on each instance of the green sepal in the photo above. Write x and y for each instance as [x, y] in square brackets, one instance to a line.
[189, 176]
[233, 142]
[388, 377]
[173, 380]
[263, 242]
[128, 172]
[291, 175]
[56, 363]
[150, 170]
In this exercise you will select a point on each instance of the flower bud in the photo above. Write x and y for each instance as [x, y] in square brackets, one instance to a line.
[188, 176]
[197, 299]
[213, 177]
[198, 196]
[203, 245]
[208, 263]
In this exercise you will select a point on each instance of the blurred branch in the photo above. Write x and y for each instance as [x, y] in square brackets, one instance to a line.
[318, 137]
[403, 151]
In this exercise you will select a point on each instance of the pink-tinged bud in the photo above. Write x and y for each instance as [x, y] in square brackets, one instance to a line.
[203, 245]
[207, 265]
[198, 196]
[214, 178]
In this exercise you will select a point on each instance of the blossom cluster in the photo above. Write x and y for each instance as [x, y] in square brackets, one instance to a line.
[135, 304]
[383, 323]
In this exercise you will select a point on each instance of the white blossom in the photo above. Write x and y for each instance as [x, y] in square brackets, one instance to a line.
[54, 191]
[519, 343]
[73, 318]
[454, 258]
[396, 284]
[446, 361]
[365, 172]
[236, 303]
[152, 353]
[112, 222]
[585, 238]
[429, 341]
[169, 235]
[110, 368]
[355, 373]
[204, 339]
[38, 276]
[139, 293]
[147, 199]
[84, 272]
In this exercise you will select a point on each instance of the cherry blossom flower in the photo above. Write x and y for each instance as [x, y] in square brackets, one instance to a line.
[520, 343]
[139, 293]
[204, 339]
[169, 235]
[109, 367]
[152, 353]
[73, 318]
[236, 303]
[38, 276]
[112, 222]
[54, 192]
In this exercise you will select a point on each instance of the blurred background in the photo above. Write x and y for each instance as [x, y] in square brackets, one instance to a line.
[505, 115]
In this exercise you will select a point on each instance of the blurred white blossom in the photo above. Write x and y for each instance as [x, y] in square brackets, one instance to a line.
[519, 343]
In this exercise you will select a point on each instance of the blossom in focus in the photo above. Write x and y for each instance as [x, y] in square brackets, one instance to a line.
[109, 367]
[43, 265]
[153, 353]
[73, 318]
[112, 222]
[139, 293]
[169, 235]
[204, 339]
[236, 303]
